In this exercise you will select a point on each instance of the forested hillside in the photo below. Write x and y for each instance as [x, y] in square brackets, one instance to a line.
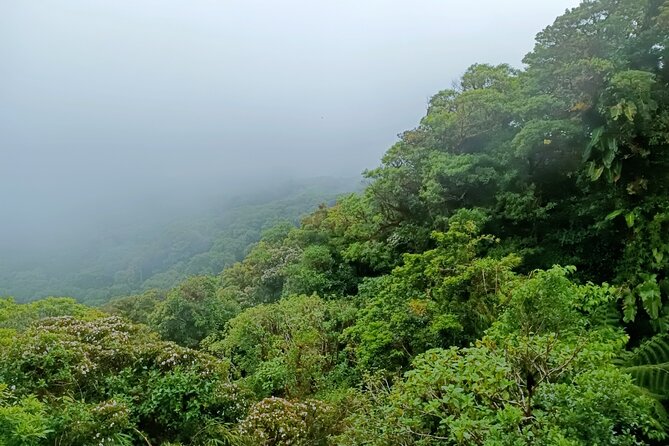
[132, 255]
[502, 280]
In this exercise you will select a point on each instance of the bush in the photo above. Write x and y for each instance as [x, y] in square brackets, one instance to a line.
[276, 421]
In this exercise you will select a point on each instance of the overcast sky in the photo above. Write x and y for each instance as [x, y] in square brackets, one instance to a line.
[102, 102]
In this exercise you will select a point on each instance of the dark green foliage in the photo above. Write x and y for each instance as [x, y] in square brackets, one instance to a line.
[192, 310]
[20, 316]
[136, 308]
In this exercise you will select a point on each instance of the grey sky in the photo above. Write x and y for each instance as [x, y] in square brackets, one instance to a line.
[105, 102]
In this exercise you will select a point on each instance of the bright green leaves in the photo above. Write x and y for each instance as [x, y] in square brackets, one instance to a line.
[525, 391]
[454, 395]
[21, 316]
[649, 292]
[629, 219]
[79, 422]
[610, 152]
[601, 406]
[624, 108]
[629, 306]
[658, 255]
[594, 171]
[614, 214]
[543, 303]
[23, 421]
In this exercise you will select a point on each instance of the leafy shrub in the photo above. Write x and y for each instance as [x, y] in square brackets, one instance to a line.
[23, 421]
[287, 348]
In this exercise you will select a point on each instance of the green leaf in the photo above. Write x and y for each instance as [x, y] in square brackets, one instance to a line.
[614, 214]
[629, 306]
[617, 110]
[595, 172]
[610, 153]
[649, 365]
[629, 219]
[596, 135]
[649, 292]
[630, 111]
[659, 255]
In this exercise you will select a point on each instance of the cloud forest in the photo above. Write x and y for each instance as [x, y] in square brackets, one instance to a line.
[501, 280]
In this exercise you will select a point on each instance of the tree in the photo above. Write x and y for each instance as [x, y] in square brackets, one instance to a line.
[442, 297]
[192, 311]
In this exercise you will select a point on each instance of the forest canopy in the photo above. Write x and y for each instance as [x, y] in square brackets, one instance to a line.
[502, 280]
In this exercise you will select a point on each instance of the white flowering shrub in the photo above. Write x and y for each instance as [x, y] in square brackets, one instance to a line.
[280, 422]
[111, 382]
[107, 423]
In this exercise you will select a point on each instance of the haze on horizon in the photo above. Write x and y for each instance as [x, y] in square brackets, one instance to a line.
[106, 106]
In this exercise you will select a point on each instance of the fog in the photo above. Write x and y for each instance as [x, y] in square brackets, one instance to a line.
[127, 109]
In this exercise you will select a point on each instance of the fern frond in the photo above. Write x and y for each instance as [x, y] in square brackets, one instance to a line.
[649, 365]
[606, 315]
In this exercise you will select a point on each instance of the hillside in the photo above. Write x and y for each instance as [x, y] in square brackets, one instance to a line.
[129, 254]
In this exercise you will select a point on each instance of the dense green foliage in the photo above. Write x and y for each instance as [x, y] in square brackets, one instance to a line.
[501, 281]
